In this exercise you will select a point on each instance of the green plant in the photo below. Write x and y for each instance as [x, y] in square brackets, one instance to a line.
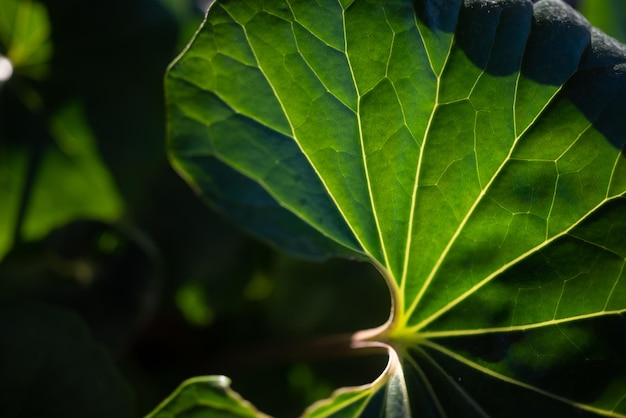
[95, 322]
[472, 151]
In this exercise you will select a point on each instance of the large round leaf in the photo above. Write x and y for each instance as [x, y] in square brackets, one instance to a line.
[473, 151]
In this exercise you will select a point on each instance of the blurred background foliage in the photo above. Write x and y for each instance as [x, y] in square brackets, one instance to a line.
[116, 282]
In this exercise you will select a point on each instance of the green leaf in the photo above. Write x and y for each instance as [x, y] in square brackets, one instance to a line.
[69, 181]
[204, 397]
[472, 151]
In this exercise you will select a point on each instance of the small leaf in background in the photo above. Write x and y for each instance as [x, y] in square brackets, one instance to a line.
[608, 15]
[192, 302]
[70, 181]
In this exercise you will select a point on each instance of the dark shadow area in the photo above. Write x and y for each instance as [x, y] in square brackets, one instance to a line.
[274, 347]
[598, 89]
[107, 275]
[581, 372]
[438, 15]
[557, 39]
[493, 36]
[46, 352]
[551, 44]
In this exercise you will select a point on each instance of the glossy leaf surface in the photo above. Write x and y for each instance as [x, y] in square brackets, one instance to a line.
[473, 151]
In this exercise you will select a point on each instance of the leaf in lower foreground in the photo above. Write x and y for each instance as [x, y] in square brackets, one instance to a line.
[209, 396]
[473, 151]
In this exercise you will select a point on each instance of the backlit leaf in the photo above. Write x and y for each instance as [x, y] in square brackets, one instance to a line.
[472, 151]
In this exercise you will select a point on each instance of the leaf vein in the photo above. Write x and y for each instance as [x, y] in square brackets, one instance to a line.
[293, 135]
[513, 328]
[364, 157]
[505, 267]
[519, 383]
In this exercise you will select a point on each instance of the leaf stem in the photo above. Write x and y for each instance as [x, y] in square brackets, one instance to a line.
[308, 350]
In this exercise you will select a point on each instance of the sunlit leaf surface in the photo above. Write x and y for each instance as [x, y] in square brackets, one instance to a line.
[473, 151]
